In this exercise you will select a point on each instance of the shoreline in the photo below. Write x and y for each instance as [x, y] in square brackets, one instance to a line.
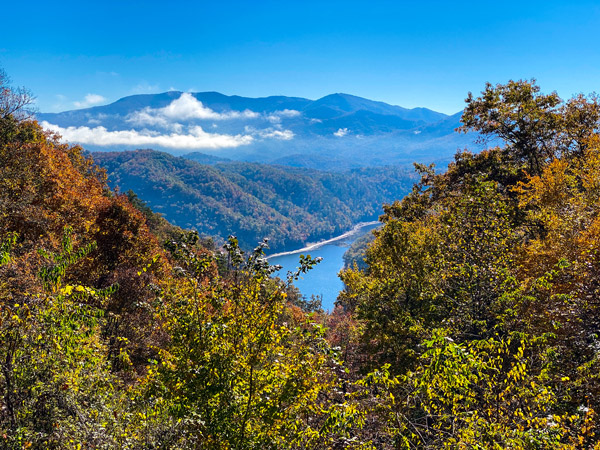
[316, 245]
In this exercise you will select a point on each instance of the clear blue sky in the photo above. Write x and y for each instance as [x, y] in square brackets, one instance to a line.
[411, 53]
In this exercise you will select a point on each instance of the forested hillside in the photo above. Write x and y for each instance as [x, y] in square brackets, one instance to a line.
[480, 297]
[474, 323]
[289, 206]
[108, 339]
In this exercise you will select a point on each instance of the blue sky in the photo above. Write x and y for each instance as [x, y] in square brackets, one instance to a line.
[431, 53]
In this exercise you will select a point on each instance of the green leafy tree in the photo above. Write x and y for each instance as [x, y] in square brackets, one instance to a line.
[536, 127]
[238, 371]
[482, 394]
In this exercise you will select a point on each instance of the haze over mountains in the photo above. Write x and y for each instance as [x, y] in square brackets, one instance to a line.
[336, 132]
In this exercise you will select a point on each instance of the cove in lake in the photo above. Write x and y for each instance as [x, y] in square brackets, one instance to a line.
[322, 280]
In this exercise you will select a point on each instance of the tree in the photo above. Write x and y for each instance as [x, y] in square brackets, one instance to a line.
[506, 262]
[536, 127]
[482, 394]
[240, 370]
[55, 382]
[14, 102]
[519, 115]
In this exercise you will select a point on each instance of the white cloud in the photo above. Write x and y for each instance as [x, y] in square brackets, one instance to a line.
[97, 118]
[186, 107]
[270, 133]
[196, 137]
[112, 73]
[145, 117]
[316, 121]
[341, 132]
[89, 100]
[61, 103]
[283, 135]
[275, 117]
[288, 113]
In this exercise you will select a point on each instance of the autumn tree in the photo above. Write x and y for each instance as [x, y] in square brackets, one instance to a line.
[484, 278]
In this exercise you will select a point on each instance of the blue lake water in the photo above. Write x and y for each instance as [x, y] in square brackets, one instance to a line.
[322, 279]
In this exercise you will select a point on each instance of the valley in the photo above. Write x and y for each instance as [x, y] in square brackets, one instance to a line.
[289, 206]
[299, 225]
[322, 281]
[476, 306]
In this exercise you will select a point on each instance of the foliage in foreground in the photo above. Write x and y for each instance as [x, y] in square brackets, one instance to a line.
[480, 292]
[474, 323]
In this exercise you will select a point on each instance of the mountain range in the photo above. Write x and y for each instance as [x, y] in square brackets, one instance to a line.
[336, 132]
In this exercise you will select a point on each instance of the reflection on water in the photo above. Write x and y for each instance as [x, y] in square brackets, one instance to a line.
[323, 279]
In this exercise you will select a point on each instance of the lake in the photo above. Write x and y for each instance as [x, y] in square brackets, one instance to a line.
[322, 279]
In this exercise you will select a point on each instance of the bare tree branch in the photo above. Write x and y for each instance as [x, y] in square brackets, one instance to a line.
[16, 102]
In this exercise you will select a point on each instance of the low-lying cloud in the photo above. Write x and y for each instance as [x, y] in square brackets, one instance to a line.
[283, 135]
[195, 138]
[174, 127]
[276, 116]
[186, 107]
[271, 133]
[189, 108]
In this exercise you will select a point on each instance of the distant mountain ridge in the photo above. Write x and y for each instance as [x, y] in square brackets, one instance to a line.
[337, 105]
[336, 128]
[345, 104]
